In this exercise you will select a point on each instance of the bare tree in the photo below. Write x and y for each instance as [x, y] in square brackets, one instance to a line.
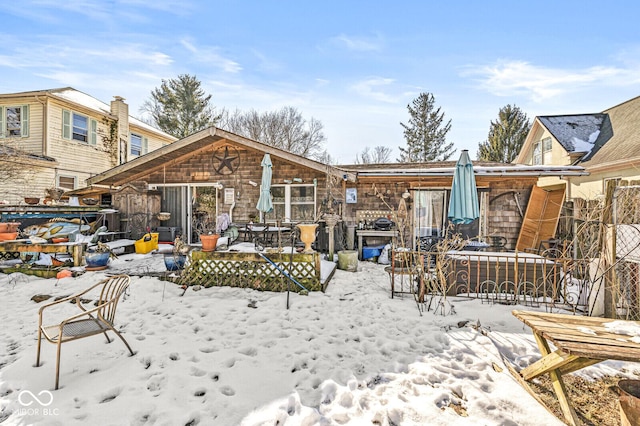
[285, 129]
[380, 154]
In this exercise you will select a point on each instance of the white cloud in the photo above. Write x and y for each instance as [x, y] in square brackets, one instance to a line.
[538, 83]
[210, 55]
[359, 44]
[372, 89]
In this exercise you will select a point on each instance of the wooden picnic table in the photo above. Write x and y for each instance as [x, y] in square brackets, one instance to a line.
[580, 342]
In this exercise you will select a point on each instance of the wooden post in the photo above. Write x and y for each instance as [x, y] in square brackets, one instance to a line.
[608, 252]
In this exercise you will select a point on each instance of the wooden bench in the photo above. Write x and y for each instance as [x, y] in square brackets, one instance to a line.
[580, 342]
[24, 246]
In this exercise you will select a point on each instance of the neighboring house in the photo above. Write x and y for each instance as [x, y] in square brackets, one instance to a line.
[59, 138]
[606, 144]
[214, 158]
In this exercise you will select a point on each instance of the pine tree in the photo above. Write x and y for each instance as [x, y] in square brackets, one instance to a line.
[180, 107]
[506, 136]
[425, 134]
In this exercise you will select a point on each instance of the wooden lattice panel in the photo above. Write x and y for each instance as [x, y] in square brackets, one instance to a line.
[9, 255]
[252, 271]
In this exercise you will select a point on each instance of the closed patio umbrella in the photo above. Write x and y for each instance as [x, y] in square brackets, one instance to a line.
[463, 204]
[264, 202]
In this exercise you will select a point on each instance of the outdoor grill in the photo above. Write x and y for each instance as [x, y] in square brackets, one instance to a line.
[382, 224]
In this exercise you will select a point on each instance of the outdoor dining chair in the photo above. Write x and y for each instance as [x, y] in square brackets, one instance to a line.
[88, 322]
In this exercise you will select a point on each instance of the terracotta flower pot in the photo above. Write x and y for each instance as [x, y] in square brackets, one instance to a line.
[9, 226]
[209, 242]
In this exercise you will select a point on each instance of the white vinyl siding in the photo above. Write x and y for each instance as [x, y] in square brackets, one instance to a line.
[14, 121]
[79, 127]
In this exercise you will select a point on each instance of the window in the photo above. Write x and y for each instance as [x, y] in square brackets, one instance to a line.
[14, 121]
[79, 127]
[292, 203]
[138, 145]
[542, 152]
[66, 182]
[606, 181]
[429, 213]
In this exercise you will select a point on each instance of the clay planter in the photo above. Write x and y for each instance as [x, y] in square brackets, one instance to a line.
[209, 242]
[307, 235]
[8, 236]
[31, 200]
[9, 227]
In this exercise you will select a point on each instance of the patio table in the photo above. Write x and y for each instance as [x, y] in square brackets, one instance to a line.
[580, 342]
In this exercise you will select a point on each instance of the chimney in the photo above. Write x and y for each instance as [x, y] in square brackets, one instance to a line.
[120, 111]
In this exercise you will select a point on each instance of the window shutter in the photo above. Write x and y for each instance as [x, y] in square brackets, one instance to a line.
[93, 132]
[3, 126]
[24, 121]
[541, 219]
[66, 124]
[145, 146]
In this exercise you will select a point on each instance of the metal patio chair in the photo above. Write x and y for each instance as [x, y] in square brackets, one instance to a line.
[88, 322]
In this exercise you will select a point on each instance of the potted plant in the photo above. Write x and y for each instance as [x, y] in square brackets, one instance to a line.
[98, 257]
[175, 260]
[207, 221]
[209, 241]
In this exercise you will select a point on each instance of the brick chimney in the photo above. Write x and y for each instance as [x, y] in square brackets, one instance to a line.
[120, 110]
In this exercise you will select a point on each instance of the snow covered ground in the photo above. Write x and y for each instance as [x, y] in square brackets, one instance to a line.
[229, 356]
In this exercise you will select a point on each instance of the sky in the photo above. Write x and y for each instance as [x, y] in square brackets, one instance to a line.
[353, 65]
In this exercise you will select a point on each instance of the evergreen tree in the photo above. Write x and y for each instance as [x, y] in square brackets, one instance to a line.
[506, 136]
[425, 133]
[180, 107]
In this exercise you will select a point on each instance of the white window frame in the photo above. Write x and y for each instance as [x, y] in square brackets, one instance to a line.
[144, 144]
[68, 127]
[23, 122]
[288, 202]
[541, 153]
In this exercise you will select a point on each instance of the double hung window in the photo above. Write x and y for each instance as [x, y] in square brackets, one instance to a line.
[79, 127]
[14, 121]
[292, 203]
[138, 145]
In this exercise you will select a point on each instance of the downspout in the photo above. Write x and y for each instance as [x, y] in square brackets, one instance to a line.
[45, 128]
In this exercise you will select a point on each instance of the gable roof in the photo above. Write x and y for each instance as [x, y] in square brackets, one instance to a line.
[620, 136]
[192, 145]
[597, 140]
[69, 94]
[576, 133]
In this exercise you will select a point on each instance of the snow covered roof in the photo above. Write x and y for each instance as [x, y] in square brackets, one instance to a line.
[576, 133]
[80, 98]
[447, 168]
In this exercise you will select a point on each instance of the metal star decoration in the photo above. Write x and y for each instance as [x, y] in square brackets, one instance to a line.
[228, 161]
